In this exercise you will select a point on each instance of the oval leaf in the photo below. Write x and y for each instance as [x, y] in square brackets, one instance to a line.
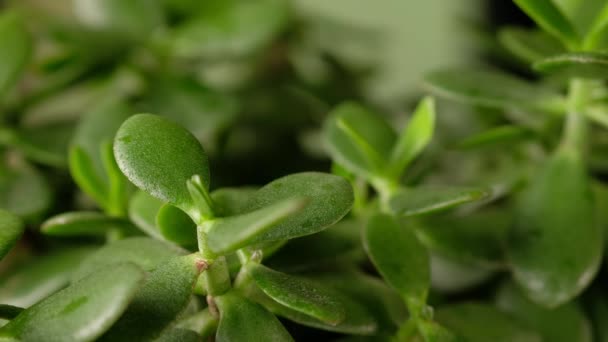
[11, 229]
[83, 223]
[163, 296]
[143, 209]
[425, 200]
[299, 294]
[80, 312]
[16, 44]
[576, 64]
[176, 226]
[23, 191]
[398, 256]
[331, 198]
[556, 245]
[241, 319]
[159, 157]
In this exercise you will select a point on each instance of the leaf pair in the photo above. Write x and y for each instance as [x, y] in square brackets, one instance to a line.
[365, 144]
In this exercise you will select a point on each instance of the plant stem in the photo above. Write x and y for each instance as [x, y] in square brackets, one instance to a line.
[575, 128]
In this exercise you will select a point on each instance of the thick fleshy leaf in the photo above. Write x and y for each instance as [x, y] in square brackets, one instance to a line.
[23, 190]
[529, 45]
[163, 296]
[359, 140]
[506, 134]
[566, 323]
[493, 89]
[475, 322]
[228, 234]
[83, 223]
[398, 256]
[80, 312]
[241, 319]
[176, 226]
[135, 19]
[556, 245]
[44, 143]
[11, 229]
[299, 294]
[415, 137]
[16, 44]
[476, 238]
[143, 209]
[232, 201]
[575, 64]
[231, 29]
[202, 322]
[144, 252]
[550, 18]
[431, 331]
[330, 198]
[424, 200]
[27, 283]
[337, 245]
[450, 275]
[159, 157]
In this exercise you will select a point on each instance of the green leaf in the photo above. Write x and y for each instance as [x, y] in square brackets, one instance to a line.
[23, 190]
[226, 235]
[202, 322]
[331, 198]
[178, 335]
[398, 256]
[83, 223]
[27, 283]
[551, 19]
[163, 296]
[415, 137]
[225, 29]
[11, 229]
[159, 157]
[44, 143]
[563, 324]
[529, 45]
[359, 140]
[16, 44]
[144, 252]
[135, 19]
[82, 311]
[9, 312]
[474, 322]
[232, 201]
[84, 174]
[493, 89]
[501, 135]
[592, 65]
[596, 37]
[476, 238]
[430, 199]
[241, 319]
[581, 13]
[431, 331]
[556, 246]
[143, 209]
[176, 226]
[299, 294]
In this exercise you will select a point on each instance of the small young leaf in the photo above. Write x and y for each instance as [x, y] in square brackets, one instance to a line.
[556, 245]
[299, 294]
[84, 174]
[36, 279]
[359, 140]
[415, 137]
[16, 44]
[159, 157]
[331, 198]
[143, 209]
[164, 294]
[144, 252]
[176, 226]
[82, 311]
[475, 322]
[83, 223]
[506, 134]
[493, 89]
[226, 235]
[576, 64]
[11, 229]
[425, 200]
[551, 19]
[564, 324]
[9, 312]
[529, 45]
[398, 256]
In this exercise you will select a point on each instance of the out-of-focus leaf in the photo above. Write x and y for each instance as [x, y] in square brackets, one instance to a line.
[551, 19]
[529, 45]
[424, 200]
[9, 312]
[575, 64]
[80, 312]
[176, 226]
[23, 190]
[143, 209]
[11, 229]
[83, 223]
[232, 201]
[501, 135]
[16, 47]
[202, 322]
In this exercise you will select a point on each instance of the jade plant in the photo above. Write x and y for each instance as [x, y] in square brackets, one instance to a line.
[478, 216]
